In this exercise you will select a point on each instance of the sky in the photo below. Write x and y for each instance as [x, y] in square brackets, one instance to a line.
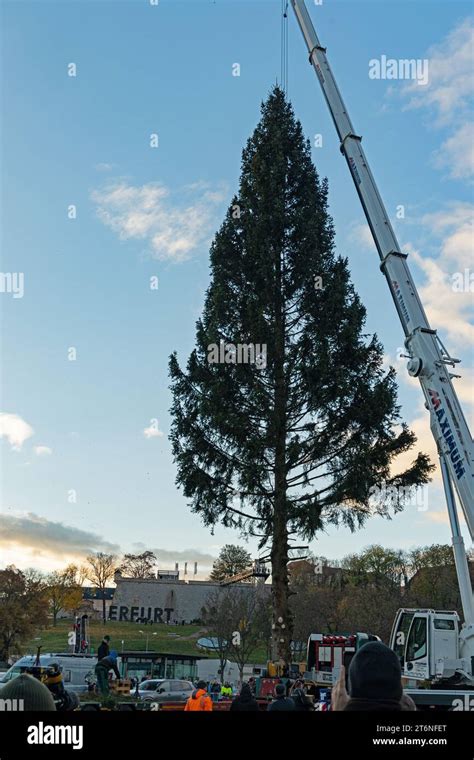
[122, 130]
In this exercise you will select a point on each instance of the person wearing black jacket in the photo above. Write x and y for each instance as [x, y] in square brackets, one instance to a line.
[103, 650]
[281, 701]
[245, 701]
[102, 671]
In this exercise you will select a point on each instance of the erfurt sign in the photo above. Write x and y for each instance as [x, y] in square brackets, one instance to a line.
[135, 614]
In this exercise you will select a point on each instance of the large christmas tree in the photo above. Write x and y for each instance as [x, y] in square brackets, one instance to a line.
[284, 420]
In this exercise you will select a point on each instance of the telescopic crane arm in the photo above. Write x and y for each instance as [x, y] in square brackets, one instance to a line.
[428, 358]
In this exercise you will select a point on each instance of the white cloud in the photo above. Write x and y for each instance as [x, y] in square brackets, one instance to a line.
[449, 87]
[173, 226]
[448, 307]
[45, 537]
[15, 430]
[454, 224]
[448, 96]
[41, 451]
[360, 233]
[153, 431]
[457, 153]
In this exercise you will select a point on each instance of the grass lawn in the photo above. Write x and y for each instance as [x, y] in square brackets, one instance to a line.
[169, 639]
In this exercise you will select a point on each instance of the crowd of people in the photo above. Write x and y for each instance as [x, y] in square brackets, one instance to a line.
[373, 683]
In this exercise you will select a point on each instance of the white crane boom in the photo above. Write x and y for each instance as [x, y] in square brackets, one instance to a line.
[428, 358]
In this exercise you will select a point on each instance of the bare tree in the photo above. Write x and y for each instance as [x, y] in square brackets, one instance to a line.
[239, 621]
[139, 565]
[215, 616]
[246, 610]
[99, 570]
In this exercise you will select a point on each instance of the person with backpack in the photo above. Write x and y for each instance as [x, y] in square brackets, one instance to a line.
[199, 701]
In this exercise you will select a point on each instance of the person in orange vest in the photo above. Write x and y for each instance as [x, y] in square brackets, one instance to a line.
[199, 701]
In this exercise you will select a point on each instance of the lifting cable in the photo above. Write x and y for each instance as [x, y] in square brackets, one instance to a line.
[284, 47]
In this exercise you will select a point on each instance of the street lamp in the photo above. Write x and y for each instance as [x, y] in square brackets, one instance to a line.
[147, 637]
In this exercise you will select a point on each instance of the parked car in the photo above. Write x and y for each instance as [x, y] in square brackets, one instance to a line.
[164, 690]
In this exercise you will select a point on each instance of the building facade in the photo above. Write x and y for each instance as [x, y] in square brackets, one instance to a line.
[163, 601]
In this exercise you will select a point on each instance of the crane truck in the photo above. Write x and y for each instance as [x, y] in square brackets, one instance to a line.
[433, 646]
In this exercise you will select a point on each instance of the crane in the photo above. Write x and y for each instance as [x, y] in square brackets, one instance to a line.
[259, 568]
[429, 361]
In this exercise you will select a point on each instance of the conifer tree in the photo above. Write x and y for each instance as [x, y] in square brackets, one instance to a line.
[285, 420]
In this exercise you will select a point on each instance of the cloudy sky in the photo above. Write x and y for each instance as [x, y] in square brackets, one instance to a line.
[112, 286]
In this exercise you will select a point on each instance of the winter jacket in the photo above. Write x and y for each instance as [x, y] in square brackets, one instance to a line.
[199, 701]
[240, 704]
[371, 705]
[103, 650]
[281, 703]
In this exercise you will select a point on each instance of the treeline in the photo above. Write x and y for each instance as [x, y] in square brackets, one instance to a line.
[363, 591]
[29, 599]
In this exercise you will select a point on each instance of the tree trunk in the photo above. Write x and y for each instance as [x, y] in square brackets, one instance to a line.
[222, 664]
[282, 621]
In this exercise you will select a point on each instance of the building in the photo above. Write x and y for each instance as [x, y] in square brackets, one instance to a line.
[164, 599]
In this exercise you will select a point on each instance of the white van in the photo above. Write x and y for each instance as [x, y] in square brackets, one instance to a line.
[74, 667]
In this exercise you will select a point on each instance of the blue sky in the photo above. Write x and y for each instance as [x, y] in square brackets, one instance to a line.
[83, 429]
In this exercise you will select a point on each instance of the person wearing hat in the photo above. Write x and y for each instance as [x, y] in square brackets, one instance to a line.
[281, 701]
[374, 681]
[34, 695]
[103, 650]
[199, 701]
[102, 671]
